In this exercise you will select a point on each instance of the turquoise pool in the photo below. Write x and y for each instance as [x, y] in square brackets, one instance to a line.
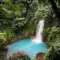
[28, 47]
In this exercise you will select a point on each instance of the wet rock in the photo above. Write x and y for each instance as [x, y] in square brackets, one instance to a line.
[19, 56]
[39, 56]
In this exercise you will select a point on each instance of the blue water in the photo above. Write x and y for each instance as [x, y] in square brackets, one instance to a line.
[28, 47]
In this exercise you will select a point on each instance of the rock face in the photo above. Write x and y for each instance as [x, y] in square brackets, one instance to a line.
[19, 56]
[39, 56]
[29, 35]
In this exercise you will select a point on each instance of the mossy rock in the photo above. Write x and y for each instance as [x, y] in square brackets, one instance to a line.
[19, 56]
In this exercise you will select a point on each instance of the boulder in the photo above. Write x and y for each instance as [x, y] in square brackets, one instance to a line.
[39, 56]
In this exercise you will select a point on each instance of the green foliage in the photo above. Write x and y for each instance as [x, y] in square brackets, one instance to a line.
[52, 30]
[52, 34]
[2, 38]
[53, 53]
[9, 12]
[42, 11]
[20, 16]
[5, 37]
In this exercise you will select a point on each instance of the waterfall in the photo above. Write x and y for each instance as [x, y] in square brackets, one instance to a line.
[27, 45]
[39, 32]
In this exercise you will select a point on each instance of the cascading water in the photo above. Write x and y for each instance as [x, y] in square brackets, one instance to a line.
[30, 46]
[39, 37]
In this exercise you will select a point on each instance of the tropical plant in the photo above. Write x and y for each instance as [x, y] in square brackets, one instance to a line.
[53, 52]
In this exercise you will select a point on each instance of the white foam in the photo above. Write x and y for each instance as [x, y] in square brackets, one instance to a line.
[39, 37]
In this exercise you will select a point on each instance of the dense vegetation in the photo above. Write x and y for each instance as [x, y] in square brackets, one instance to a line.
[53, 53]
[20, 17]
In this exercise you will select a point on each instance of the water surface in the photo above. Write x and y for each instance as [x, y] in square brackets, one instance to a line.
[28, 47]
